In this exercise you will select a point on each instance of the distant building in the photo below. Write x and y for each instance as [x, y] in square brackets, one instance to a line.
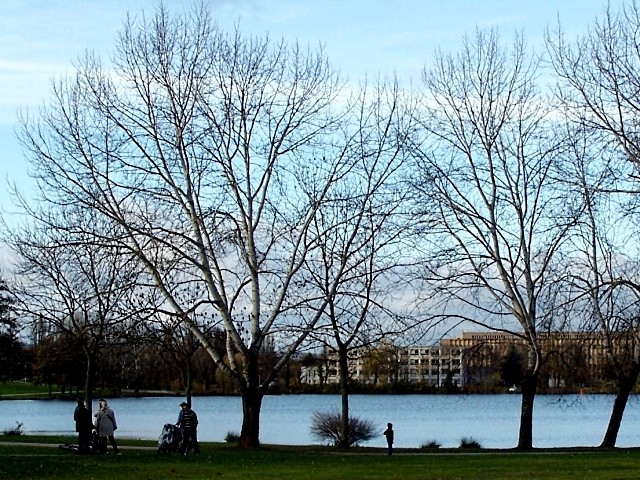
[471, 358]
[431, 365]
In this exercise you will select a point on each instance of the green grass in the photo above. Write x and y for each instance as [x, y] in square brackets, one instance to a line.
[10, 389]
[222, 461]
[18, 390]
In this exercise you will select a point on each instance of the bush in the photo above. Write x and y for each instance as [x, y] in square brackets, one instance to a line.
[431, 444]
[328, 426]
[468, 442]
[232, 437]
[18, 430]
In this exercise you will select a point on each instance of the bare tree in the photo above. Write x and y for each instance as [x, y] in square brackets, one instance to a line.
[489, 163]
[598, 83]
[75, 287]
[599, 76]
[179, 344]
[604, 288]
[361, 233]
[206, 150]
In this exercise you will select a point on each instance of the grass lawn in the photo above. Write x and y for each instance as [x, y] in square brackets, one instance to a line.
[222, 461]
[18, 389]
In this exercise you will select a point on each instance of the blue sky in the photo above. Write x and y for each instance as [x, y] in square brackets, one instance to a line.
[40, 39]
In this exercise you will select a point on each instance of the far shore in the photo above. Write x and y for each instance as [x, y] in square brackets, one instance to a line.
[58, 395]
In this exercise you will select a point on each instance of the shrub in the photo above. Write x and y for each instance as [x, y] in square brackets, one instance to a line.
[468, 442]
[431, 444]
[328, 426]
[17, 430]
[232, 437]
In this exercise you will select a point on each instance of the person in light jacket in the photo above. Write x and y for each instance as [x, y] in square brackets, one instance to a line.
[106, 426]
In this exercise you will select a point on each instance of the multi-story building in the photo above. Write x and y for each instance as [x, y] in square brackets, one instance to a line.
[430, 365]
[372, 365]
[480, 354]
[471, 358]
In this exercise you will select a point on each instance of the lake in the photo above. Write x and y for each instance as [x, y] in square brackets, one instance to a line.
[491, 420]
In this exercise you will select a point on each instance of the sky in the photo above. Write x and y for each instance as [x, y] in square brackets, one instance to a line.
[41, 39]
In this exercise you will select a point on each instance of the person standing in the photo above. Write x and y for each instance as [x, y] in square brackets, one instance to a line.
[106, 426]
[389, 434]
[82, 417]
[188, 422]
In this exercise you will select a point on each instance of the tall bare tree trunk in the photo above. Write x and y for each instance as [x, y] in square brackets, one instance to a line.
[525, 434]
[189, 382]
[250, 433]
[343, 361]
[252, 396]
[88, 380]
[626, 382]
[251, 404]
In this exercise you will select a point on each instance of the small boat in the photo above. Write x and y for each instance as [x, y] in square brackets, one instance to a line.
[513, 389]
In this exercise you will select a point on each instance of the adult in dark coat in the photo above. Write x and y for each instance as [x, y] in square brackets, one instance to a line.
[188, 422]
[389, 434]
[84, 426]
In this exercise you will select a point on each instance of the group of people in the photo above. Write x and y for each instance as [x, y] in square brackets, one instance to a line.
[105, 427]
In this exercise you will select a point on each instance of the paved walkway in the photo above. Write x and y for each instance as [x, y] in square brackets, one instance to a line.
[56, 445]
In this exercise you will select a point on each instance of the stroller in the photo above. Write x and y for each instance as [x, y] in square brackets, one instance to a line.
[169, 440]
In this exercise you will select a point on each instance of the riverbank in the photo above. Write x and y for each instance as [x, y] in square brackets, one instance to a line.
[312, 463]
[27, 391]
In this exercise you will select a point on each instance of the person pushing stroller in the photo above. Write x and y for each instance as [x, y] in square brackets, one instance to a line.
[188, 422]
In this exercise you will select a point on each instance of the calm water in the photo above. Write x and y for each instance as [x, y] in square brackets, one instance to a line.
[492, 420]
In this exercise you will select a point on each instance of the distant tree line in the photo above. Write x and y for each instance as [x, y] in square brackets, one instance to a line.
[168, 363]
